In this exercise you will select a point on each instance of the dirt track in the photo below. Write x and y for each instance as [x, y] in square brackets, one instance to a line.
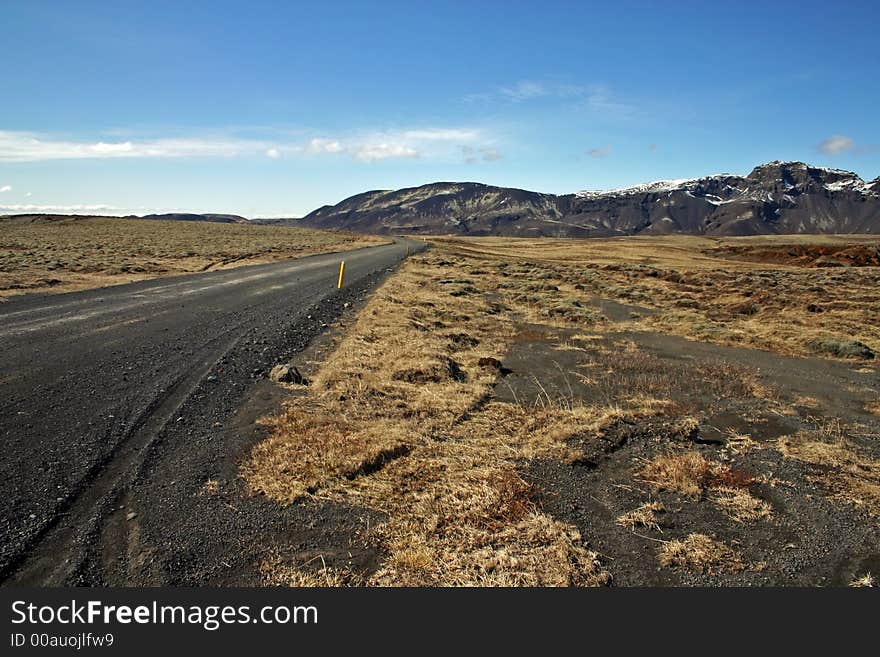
[810, 541]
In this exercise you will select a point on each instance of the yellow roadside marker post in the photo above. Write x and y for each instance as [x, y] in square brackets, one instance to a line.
[341, 275]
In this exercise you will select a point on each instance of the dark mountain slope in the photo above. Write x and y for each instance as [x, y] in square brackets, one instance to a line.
[778, 197]
[465, 208]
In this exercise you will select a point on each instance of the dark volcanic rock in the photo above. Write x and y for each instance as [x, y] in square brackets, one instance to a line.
[843, 348]
[286, 373]
[778, 197]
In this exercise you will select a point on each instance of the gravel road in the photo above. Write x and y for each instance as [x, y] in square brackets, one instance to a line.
[113, 406]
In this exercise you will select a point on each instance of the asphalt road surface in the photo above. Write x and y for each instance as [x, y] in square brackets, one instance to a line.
[113, 404]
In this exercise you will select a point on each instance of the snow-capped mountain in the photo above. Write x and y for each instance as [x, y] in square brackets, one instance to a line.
[777, 197]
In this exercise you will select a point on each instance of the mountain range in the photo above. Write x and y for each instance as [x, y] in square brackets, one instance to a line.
[777, 197]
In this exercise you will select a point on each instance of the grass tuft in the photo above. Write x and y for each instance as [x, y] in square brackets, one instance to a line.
[686, 473]
[643, 516]
[700, 552]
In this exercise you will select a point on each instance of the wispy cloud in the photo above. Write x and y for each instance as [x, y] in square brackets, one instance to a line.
[31, 147]
[600, 151]
[61, 209]
[598, 99]
[384, 151]
[94, 209]
[524, 90]
[836, 145]
[416, 143]
[321, 145]
[6, 188]
[362, 146]
[486, 154]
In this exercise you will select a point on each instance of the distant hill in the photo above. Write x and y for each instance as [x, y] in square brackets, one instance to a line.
[177, 216]
[183, 216]
[778, 197]
[276, 221]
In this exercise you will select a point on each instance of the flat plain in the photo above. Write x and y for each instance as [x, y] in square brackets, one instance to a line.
[498, 412]
[45, 253]
[636, 411]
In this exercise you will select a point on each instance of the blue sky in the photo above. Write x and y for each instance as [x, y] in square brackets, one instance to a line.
[276, 108]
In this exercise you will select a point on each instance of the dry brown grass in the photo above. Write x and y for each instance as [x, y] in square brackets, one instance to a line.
[68, 253]
[463, 519]
[310, 575]
[399, 420]
[696, 286]
[669, 250]
[643, 516]
[806, 401]
[739, 504]
[210, 488]
[686, 473]
[865, 581]
[691, 474]
[846, 472]
[308, 450]
[738, 443]
[700, 552]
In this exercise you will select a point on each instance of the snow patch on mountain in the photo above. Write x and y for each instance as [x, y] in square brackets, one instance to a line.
[643, 188]
[736, 187]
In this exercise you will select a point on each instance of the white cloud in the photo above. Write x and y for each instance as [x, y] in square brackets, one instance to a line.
[437, 142]
[102, 148]
[384, 151]
[836, 145]
[430, 142]
[59, 209]
[29, 194]
[30, 147]
[6, 188]
[319, 145]
[491, 154]
[600, 151]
